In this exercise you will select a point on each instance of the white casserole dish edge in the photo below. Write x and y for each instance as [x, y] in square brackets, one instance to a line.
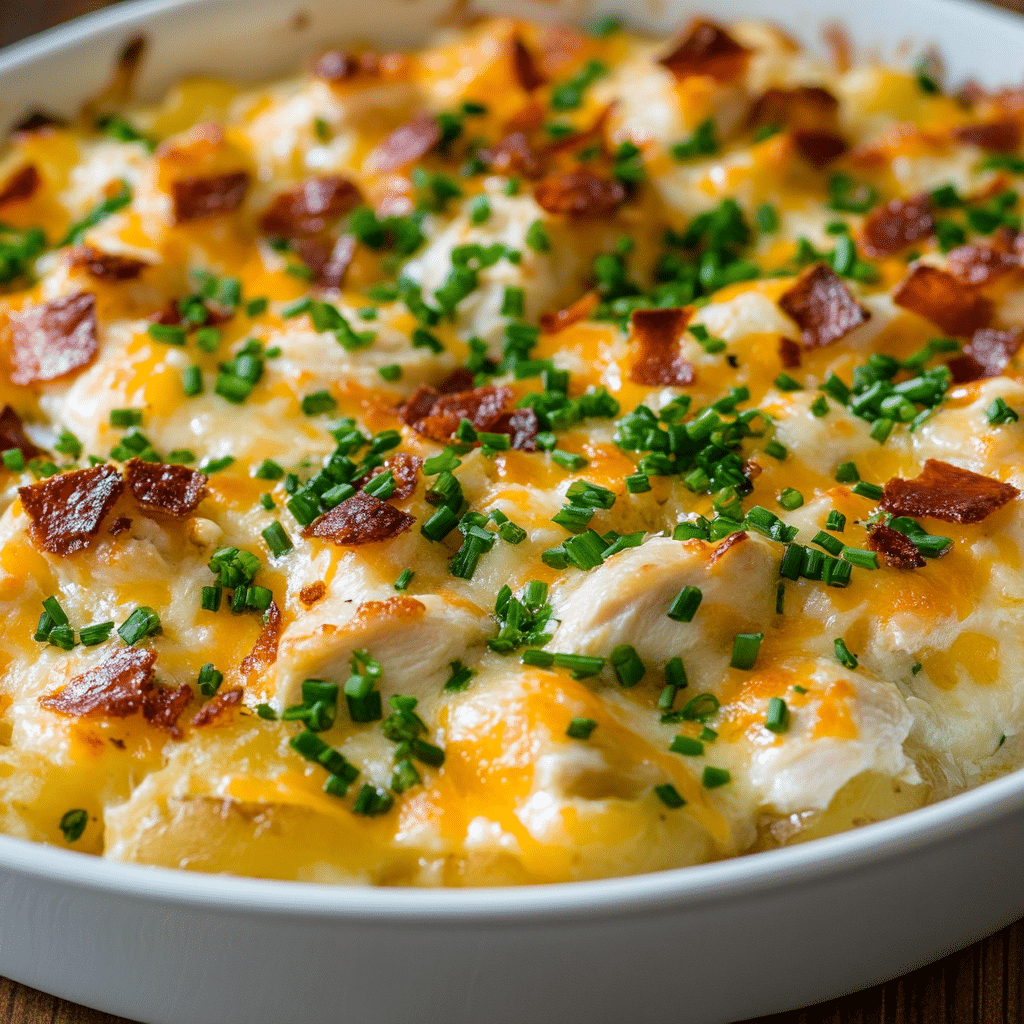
[708, 944]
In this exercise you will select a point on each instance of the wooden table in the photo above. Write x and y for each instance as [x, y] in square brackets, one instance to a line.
[983, 984]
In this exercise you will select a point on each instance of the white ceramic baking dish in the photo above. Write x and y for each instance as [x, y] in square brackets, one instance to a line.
[706, 944]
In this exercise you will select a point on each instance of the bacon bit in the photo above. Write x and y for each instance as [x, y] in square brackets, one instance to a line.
[37, 121]
[946, 492]
[987, 354]
[820, 148]
[822, 306]
[655, 336]
[460, 379]
[335, 66]
[1002, 135]
[789, 352]
[896, 550]
[55, 339]
[404, 468]
[560, 46]
[561, 319]
[195, 198]
[310, 207]
[171, 315]
[527, 73]
[408, 142]
[720, 549]
[163, 706]
[579, 193]
[67, 510]
[361, 519]
[522, 427]
[513, 155]
[12, 434]
[106, 265]
[482, 406]
[937, 296]
[119, 525]
[21, 185]
[264, 651]
[218, 711]
[418, 405]
[707, 49]
[891, 228]
[313, 593]
[328, 262]
[976, 265]
[157, 487]
[838, 41]
[115, 688]
[802, 107]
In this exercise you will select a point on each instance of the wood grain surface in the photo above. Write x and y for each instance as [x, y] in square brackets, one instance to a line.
[983, 984]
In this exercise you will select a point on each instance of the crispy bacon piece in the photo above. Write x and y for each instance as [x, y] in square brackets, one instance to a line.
[976, 265]
[159, 487]
[408, 142]
[460, 379]
[521, 425]
[171, 315]
[12, 434]
[264, 651]
[404, 468]
[328, 261]
[482, 406]
[822, 306]
[837, 39]
[119, 525]
[731, 541]
[21, 185]
[163, 706]
[513, 154]
[67, 509]
[313, 593]
[1001, 135]
[418, 405]
[310, 207]
[819, 147]
[553, 323]
[889, 229]
[987, 354]
[937, 296]
[707, 49]
[115, 688]
[946, 492]
[219, 710]
[37, 121]
[655, 338]
[528, 75]
[896, 550]
[361, 519]
[579, 193]
[53, 340]
[198, 197]
[789, 352]
[336, 66]
[106, 266]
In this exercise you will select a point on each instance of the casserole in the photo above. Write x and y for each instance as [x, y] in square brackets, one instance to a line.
[545, 998]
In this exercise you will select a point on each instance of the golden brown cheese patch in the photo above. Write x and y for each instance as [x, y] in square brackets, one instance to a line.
[937, 296]
[361, 519]
[707, 49]
[53, 340]
[66, 511]
[160, 487]
[946, 492]
[822, 306]
[654, 338]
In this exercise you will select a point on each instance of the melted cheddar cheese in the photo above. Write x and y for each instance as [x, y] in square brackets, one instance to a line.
[639, 612]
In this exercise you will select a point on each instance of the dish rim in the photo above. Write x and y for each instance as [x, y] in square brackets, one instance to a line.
[630, 895]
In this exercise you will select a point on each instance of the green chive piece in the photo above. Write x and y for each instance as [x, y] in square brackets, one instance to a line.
[192, 381]
[669, 795]
[685, 604]
[581, 728]
[319, 402]
[846, 473]
[745, 648]
[790, 499]
[125, 417]
[13, 458]
[167, 333]
[142, 622]
[844, 655]
[211, 599]
[537, 237]
[459, 679]
[209, 680]
[715, 777]
[391, 373]
[372, 801]
[777, 718]
[836, 522]
[97, 633]
[833, 545]
[568, 461]
[861, 558]
[404, 579]
[277, 539]
[72, 824]
[266, 712]
[629, 669]
[866, 490]
[687, 745]
[997, 412]
[786, 383]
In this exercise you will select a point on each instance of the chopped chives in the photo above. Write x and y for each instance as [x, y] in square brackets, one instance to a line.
[192, 381]
[836, 522]
[685, 604]
[790, 499]
[404, 579]
[846, 473]
[318, 402]
[266, 712]
[581, 728]
[745, 648]
[460, 677]
[440, 524]
[13, 459]
[277, 539]
[844, 655]
[207, 339]
[391, 372]
[209, 680]
[786, 383]
[687, 745]
[142, 622]
[72, 824]
[669, 795]
[792, 562]
[216, 465]
[861, 558]
[256, 307]
[167, 333]
[833, 545]
[372, 801]
[537, 237]
[95, 634]
[866, 490]
[628, 667]
[268, 469]
[211, 599]
[715, 777]
[777, 718]
[638, 483]
[567, 460]
[819, 407]
[125, 417]
[776, 450]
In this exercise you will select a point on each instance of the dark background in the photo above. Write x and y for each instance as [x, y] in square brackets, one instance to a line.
[983, 984]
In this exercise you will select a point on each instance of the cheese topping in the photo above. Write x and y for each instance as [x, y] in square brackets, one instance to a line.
[544, 455]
